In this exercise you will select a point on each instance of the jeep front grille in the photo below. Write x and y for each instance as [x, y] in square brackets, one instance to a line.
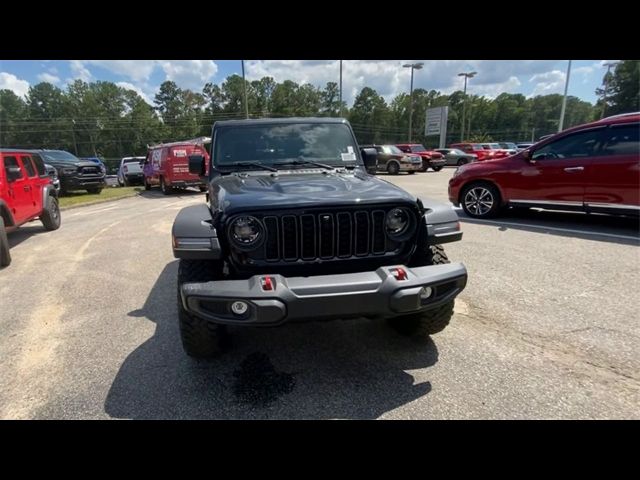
[331, 235]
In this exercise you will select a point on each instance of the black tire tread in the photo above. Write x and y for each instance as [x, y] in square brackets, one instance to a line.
[200, 338]
[47, 219]
[5, 255]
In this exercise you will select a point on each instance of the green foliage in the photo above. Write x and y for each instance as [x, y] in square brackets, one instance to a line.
[623, 91]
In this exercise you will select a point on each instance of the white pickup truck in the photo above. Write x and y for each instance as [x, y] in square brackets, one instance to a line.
[130, 171]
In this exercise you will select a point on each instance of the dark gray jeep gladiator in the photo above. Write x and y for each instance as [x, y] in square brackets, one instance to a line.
[295, 229]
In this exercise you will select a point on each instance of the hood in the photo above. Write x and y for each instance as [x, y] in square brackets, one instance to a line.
[260, 191]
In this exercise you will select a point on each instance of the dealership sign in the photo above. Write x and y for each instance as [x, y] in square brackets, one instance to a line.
[436, 123]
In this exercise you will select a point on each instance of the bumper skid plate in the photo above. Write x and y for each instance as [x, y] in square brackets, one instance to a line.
[365, 294]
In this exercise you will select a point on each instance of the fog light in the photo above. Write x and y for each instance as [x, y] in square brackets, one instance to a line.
[425, 293]
[239, 308]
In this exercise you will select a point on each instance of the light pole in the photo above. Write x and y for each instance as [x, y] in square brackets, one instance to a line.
[244, 84]
[412, 66]
[73, 132]
[606, 85]
[564, 99]
[464, 99]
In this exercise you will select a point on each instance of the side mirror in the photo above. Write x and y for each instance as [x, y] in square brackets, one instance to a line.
[13, 173]
[370, 158]
[196, 165]
[528, 156]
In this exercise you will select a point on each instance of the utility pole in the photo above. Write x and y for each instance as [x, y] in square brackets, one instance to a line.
[340, 110]
[606, 86]
[466, 75]
[73, 132]
[412, 66]
[244, 85]
[564, 99]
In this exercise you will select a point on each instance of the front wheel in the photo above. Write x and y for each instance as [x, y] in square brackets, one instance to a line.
[480, 200]
[5, 255]
[393, 168]
[462, 161]
[200, 338]
[50, 217]
[412, 172]
[94, 190]
[437, 169]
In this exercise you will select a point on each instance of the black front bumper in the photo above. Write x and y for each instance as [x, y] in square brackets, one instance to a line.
[366, 294]
[82, 182]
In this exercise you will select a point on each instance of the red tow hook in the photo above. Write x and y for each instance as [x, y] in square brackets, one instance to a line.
[399, 273]
[267, 283]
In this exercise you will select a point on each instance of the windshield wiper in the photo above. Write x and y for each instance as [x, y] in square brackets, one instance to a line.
[251, 164]
[306, 162]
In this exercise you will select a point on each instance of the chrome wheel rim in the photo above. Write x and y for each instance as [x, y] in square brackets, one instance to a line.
[478, 201]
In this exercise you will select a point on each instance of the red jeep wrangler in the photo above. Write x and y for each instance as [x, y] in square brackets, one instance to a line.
[26, 193]
[432, 159]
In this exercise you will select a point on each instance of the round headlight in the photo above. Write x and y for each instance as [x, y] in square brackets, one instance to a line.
[397, 221]
[246, 231]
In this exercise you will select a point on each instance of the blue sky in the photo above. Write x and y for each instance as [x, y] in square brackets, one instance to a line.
[529, 77]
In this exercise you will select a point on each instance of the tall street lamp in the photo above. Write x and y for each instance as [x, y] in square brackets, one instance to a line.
[340, 112]
[464, 99]
[564, 99]
[606, 85]
[412, 66]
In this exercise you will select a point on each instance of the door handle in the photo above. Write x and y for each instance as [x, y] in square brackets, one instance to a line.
[26, 188]
[573, 169]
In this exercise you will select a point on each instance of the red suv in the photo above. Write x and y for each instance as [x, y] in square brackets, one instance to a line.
[26, 193]
[432, 159]
[593, 168]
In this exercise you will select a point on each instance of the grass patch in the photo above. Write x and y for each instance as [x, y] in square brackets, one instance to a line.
[73, 199]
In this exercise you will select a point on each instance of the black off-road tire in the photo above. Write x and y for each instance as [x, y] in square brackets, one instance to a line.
[412, 172]
[50, 217]
[437, 169]
[5, 255]
[94, 190]
[393, 168]
[200, 338]
[432, 321]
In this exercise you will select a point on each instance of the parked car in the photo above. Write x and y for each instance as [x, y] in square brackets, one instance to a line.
[53, 175]
[593, 168]
[130, 171]
[523, 146]
[479, 151]
[166, 165]
[508, 146]
[430, 159]
[295, 230]
[455, 156]
[497, 148]
[74, 174]
[26, 194]
[393, 160]
[97, 161]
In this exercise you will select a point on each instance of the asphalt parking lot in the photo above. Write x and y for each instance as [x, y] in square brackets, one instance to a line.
[546, 328]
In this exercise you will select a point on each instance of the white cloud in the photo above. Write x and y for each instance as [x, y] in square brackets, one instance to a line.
[136, 70]
[9, 81]
[79, 71]
[548, 82]
[47, 77]
[192, 74]
[138, 90]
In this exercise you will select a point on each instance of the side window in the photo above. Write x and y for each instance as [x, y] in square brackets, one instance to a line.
[622, 140]
[42, 171]
[11, 162]
[577, 145]
[28, 166]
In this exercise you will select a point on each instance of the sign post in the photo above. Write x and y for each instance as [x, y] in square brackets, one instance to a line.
[436, 123]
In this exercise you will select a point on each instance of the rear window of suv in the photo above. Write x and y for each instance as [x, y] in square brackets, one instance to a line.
[622, 140]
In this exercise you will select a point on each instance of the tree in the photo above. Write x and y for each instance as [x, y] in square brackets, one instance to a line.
[12, 112]
[623, 92]
[370, 116]
[330, 105]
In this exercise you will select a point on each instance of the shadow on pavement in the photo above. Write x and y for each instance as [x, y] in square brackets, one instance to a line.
[339, 369]
[25, 232]
[603, 228]
[156, 193]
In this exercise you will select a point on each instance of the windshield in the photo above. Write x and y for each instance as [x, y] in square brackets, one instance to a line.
[508, 145]
[392, 149]
[60, 156]
[332, 144]
[417, 148]
[478, 147]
